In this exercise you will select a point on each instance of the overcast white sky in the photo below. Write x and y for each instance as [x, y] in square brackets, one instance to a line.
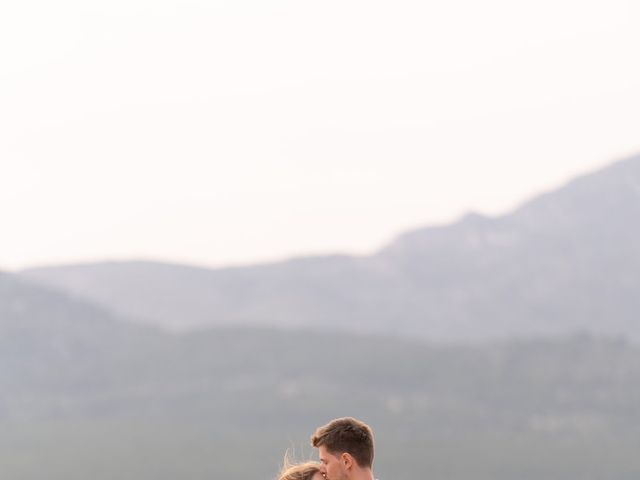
[228, 132]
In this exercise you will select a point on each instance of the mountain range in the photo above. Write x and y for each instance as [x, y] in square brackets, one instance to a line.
[565, 261]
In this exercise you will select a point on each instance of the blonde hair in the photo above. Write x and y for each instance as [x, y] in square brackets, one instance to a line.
[300, 471]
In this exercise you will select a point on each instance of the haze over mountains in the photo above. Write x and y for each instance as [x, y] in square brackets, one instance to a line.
[563, 262]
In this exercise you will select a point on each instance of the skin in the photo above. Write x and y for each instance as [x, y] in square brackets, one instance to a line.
[317, 476]
[341, 466]
[331, 466]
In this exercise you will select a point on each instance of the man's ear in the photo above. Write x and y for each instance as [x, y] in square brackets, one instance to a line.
[347, 460]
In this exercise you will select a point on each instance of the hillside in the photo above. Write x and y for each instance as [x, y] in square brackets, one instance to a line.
[227, 403]
[54, 349]
[83, 393]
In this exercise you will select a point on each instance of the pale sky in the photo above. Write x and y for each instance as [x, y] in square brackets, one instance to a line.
[230, 132]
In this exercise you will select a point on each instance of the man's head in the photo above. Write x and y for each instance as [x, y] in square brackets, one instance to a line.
[345, 447]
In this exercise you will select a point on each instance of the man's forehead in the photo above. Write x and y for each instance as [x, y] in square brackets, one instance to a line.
[324, 454]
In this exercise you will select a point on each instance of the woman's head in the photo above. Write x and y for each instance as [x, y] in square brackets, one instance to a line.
[301, 471]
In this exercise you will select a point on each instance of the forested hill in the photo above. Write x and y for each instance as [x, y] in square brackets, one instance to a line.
[83, 393]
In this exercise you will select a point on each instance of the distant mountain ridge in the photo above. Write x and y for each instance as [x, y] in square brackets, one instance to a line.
[567, 260]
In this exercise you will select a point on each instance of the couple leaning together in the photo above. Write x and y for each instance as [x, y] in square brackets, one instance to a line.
[345, 448]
